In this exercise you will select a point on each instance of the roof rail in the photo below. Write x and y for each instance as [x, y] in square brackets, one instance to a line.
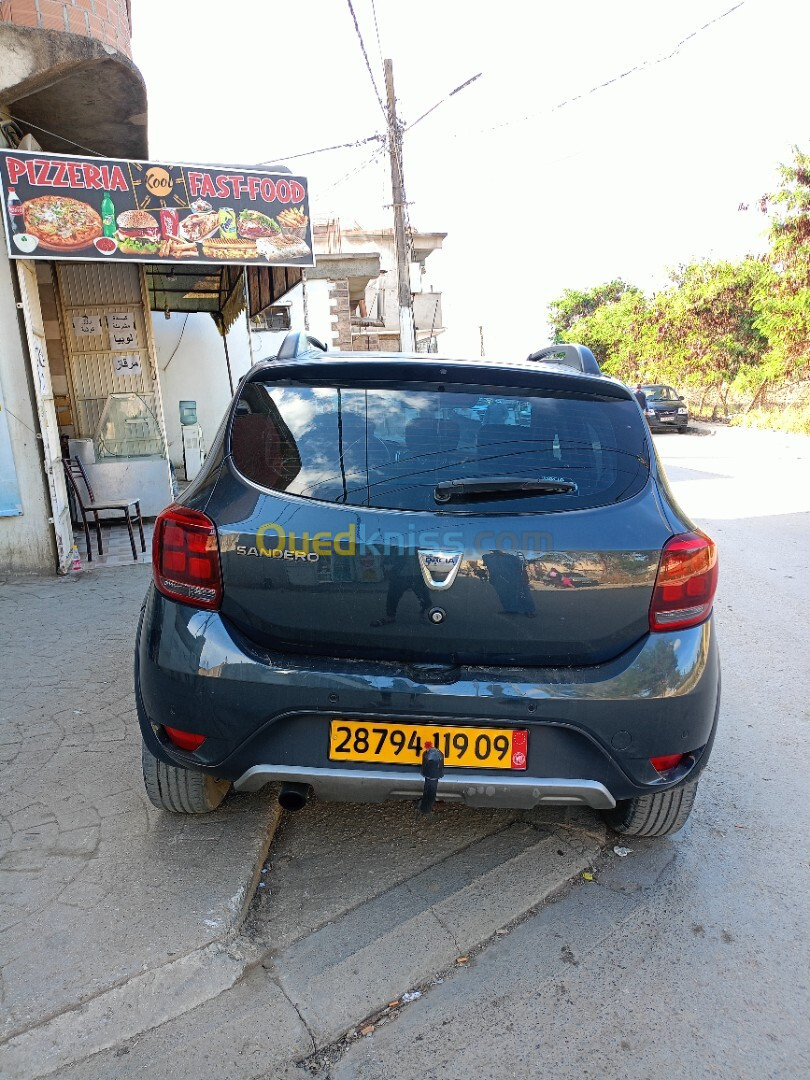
[297, 344]
[578, 357]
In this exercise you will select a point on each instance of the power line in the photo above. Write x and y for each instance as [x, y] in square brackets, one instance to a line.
[365, 57]
[353, 172]
[442, 101]
[278, 160]
[63, 138]
[177, 346]
[643, 65]
[377, 29]
[281, 158]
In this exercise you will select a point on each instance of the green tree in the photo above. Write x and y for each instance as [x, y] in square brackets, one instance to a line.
[575, 304]
[723, 325]
[709, 331]
[615, 332]
[701, 330]
[783, 296]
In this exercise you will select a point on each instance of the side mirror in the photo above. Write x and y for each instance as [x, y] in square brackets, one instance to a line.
[680, 397]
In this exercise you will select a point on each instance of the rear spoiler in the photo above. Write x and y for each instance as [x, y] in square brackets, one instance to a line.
[578, 357]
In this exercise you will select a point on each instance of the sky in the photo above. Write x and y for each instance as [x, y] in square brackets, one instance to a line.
[639, 176]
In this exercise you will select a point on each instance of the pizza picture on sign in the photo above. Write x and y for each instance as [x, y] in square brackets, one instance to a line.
[61, 224]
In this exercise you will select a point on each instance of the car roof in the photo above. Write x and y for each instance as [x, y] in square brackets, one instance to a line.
[414, 364]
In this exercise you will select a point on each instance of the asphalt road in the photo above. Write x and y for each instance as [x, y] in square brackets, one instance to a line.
[690, 955]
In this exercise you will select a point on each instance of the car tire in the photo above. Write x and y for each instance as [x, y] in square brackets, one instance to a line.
[180, 791]
[653, 815]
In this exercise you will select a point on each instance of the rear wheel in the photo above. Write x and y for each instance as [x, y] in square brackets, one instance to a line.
[653, 815]
[180, 791]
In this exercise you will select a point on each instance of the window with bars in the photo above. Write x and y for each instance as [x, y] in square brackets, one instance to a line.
[274, 318]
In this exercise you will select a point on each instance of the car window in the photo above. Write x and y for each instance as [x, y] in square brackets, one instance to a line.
[660, 393]
[389, 447]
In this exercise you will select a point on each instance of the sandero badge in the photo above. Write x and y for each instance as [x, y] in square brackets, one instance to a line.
[439, 568]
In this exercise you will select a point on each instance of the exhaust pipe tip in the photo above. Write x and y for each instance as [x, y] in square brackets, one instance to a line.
[293, 797]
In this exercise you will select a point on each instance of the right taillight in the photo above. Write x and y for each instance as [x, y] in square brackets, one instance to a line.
[185, 557]
[686, 582]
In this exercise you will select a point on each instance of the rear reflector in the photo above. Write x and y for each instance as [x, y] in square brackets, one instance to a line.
[184, 739]
[668, 761]
[185, 557]
[686, 582]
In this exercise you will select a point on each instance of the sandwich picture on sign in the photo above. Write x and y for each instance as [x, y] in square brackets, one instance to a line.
[138, 232]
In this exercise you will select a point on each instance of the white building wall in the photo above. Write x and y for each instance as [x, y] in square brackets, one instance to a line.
[26, 540]
[321, 319]
[321, 311]
[193, 368]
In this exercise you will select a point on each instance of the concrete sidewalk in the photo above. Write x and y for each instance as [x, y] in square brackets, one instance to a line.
[96, 886]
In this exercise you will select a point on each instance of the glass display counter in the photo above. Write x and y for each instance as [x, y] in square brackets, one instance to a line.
[127, 429]
[127, 456]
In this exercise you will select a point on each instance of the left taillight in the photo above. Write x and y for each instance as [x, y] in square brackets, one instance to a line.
[185, 557]
[686, 582]
[186, 740]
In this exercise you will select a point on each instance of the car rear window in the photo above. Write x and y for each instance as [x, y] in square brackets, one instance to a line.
[390, 447]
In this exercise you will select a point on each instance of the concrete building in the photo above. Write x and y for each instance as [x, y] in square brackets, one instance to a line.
[67, 80]
[349, 300]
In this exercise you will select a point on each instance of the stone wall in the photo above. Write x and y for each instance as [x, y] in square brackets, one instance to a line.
[341, 315]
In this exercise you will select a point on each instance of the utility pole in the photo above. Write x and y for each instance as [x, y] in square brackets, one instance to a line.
[407, 333]
[481, 335]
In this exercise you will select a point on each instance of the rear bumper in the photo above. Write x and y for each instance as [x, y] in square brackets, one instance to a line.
[658, 424]
[266, 715]
[474, 789]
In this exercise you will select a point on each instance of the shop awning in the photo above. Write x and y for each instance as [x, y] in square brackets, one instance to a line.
[218, 290]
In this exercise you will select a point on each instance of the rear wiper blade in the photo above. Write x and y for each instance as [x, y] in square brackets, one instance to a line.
[469, 487]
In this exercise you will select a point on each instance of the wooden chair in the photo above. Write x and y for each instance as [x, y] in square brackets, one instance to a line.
[75, 475]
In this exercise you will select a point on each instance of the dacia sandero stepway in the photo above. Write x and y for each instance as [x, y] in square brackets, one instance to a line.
[406, 577]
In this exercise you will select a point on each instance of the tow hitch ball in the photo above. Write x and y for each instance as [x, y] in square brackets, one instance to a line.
[432, 770]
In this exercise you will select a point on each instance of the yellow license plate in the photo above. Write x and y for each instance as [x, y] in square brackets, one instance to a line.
[404, 744]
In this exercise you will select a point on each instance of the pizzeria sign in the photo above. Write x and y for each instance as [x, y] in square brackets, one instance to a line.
[60, 206]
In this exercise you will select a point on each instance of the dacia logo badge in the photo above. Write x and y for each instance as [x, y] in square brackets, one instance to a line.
[439, 568]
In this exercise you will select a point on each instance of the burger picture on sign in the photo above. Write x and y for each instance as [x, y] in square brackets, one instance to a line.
[138, 232]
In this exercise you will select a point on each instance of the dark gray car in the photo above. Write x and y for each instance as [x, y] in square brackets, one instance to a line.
[398, 576]
[666, 409]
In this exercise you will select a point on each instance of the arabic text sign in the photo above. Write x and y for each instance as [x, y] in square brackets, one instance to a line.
[59, 206]
[86, 325]
[127, 365]
[120, 320]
